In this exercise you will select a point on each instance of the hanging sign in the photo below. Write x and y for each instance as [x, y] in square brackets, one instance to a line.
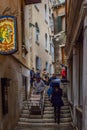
[32, 1]
[8, 41]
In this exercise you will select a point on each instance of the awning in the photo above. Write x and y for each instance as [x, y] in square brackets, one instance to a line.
[32, 1]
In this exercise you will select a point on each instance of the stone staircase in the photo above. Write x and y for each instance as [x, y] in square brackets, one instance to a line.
[48, 118]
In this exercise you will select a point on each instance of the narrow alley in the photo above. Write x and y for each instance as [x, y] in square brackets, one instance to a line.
[43, 64]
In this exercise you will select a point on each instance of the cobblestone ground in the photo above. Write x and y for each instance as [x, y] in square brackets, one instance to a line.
[48, 128]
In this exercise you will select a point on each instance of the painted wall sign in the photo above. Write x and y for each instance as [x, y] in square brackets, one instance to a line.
[8, 43]
[32, 1]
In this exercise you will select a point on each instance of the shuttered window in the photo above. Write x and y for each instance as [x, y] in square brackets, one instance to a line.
[4, 89]
[46, 40]
[59, 21]
[38, 63]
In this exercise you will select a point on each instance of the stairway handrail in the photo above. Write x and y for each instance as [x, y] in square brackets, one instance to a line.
[42, 102]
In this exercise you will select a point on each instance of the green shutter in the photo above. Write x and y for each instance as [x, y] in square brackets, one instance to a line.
[59, 23]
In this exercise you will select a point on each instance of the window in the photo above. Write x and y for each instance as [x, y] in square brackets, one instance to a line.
[47, 67]
[25, 86]
[59, 23]
[51, 48]
[50, 17]
[37, 32]
[4, 88]
[22, 24]
[45, 12]
[50, 69]
[38, 63]
[37, 6]
[46, 40]
[50, 45]
[53, 53]
[51, 24]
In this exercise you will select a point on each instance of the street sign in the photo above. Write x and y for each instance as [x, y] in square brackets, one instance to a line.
[32, 1]
[8, 43]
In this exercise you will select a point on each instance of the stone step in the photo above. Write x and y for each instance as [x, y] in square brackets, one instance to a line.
[44, 120]
[65, 119]
[46, 96]
[24, 115]
[36, 120]
[34, 107]
[52, 109]
[65, 115]
[48, 112]
[64, 99]
[48, 101]
[26, 124]
[63, 107]
[30, 116]
[47, 105]
[46, 115]
[48, 109]
[25, 111]
[66, 104]
[64, 111]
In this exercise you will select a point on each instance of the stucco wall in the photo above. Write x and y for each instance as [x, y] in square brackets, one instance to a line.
[13, 70]
[39, 49]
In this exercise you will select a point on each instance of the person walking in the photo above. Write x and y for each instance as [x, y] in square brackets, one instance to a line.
[49, 91]
[63, 73]
[56, 100]
[37, 72]
[32, 76]
[38, 85]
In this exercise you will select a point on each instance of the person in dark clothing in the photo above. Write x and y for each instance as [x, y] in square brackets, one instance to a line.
[37, 73]
[56, 100]
[32, 76]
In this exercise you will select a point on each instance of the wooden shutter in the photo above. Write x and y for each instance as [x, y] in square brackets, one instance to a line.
[59, 21]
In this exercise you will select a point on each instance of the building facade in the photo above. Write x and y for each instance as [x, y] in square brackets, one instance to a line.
[76, 45]
[40, 32]
[14, 69]
[59, 35]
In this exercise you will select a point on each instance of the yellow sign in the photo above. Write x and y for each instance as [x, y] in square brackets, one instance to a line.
[7, 35]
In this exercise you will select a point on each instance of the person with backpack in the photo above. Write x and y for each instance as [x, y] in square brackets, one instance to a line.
[56, 100]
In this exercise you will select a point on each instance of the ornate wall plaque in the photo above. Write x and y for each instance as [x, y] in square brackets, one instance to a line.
[8, 43]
